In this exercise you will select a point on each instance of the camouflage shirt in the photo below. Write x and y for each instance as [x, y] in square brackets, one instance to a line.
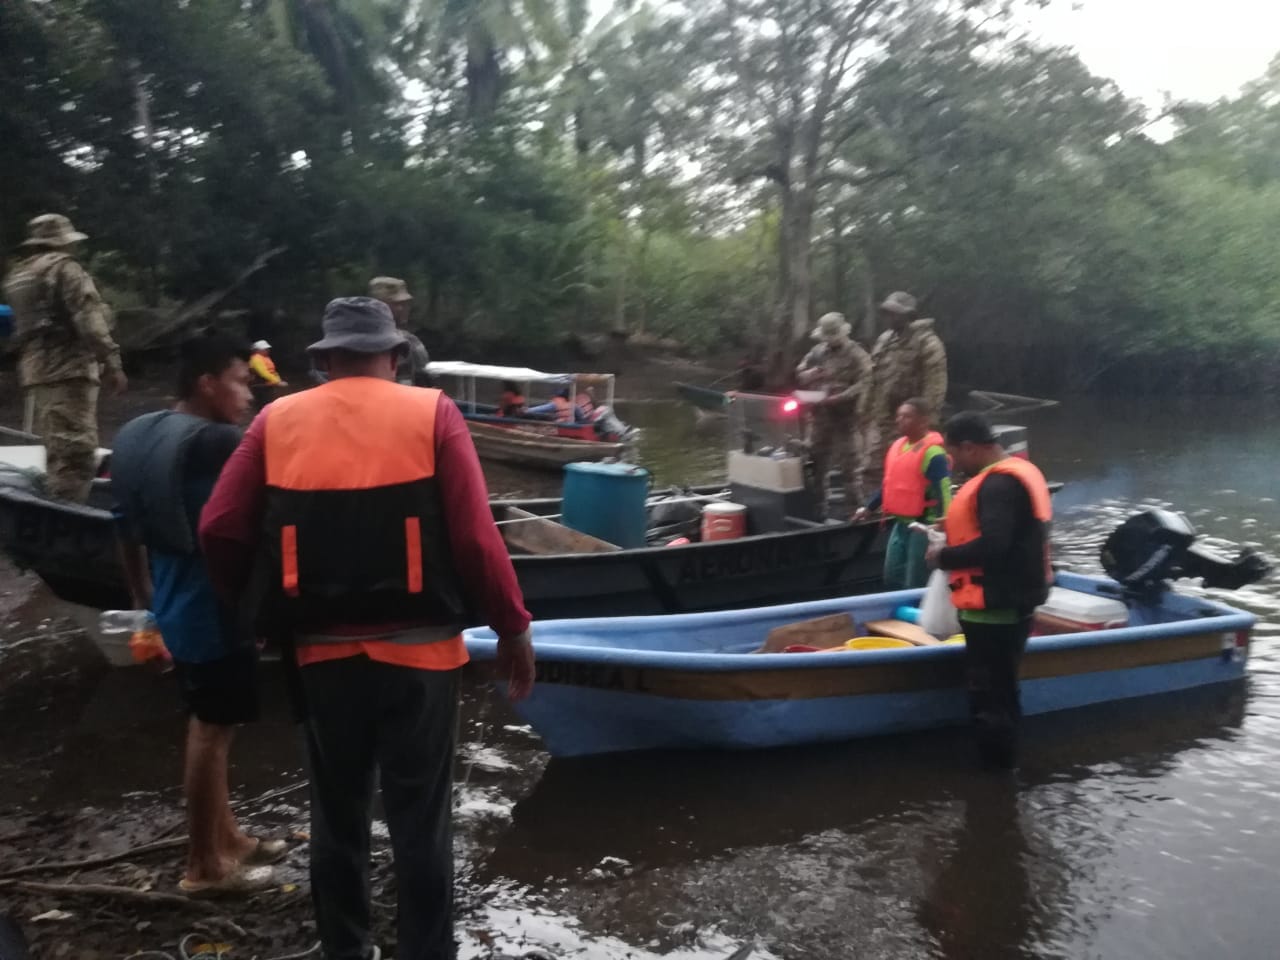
[846, 374]
[911, 365]
[62, 324]
[413, 366]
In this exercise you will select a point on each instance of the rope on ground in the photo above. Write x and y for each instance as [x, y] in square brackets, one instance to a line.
[153, 897]
[98, 861]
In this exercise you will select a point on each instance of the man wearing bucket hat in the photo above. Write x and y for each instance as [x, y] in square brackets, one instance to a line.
[910, 361]
[363, 504]
[395, 294]
[842, 368]
[66, 350]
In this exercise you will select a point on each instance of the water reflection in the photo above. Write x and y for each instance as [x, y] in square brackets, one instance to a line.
[803, 837]
[980, 902]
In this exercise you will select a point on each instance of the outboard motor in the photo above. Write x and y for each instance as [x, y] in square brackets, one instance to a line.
[1151, 548]
[608, 425]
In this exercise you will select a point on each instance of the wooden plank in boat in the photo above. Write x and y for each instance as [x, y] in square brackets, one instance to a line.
[822, 632]
[902, 630]
[538, 535]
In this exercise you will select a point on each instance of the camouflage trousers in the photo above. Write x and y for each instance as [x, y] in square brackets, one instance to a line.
[885, 432]
[66, 417]
[835, 442]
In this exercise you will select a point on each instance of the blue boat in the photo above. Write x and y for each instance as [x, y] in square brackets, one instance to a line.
[692, 681]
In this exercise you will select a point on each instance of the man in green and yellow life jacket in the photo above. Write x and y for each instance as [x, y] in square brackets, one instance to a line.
[997, 556]
[916, 487]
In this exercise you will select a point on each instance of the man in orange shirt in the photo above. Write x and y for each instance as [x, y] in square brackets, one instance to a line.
[362, 510]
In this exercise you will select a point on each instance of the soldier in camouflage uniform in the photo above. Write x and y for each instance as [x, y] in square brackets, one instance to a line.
[395, 294]
[64, 340]
[841, 368]
[910, 361]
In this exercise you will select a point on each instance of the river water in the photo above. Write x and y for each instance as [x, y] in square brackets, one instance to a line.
[1143, 829]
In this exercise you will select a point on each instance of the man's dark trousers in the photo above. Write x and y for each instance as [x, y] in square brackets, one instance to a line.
[993, 654]
[362, 715]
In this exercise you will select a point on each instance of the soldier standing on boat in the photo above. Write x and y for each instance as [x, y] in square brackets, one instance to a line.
[841, 368]
[910, 361]
[395, 294]
[66, 351]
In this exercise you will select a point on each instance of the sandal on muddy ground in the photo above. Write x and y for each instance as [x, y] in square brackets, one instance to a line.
[241, 881]
[265, 853]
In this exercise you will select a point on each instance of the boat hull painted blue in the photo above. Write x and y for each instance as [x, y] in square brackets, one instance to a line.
[694, 686]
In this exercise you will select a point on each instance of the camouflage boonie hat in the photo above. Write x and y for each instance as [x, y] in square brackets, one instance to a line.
[831, 326]
[899, 302]
[389, 290]
[51, 230]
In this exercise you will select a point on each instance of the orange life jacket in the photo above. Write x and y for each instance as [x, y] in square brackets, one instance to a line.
[354, 527]
[585, 404]
[905, 485]
[564, 409]
[967, 588]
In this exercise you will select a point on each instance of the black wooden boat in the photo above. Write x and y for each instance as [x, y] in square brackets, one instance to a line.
[72, 548]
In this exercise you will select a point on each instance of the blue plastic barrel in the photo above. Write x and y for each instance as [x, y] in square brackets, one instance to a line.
[606, 500]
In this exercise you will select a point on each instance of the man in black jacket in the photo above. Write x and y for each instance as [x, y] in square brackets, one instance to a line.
[998, 561]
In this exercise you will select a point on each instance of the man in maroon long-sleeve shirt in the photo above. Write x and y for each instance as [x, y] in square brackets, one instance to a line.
[364, 504]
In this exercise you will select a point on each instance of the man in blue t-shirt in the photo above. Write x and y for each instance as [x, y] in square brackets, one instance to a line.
[163, 468]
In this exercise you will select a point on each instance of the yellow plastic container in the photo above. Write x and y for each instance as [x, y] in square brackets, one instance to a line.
[875, 643]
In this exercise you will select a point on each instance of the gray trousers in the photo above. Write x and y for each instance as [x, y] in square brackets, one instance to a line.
[363, 716]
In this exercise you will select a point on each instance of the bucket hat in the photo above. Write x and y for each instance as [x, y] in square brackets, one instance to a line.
[51, 230]
[358, 324]
[831, 326]
[899, 302]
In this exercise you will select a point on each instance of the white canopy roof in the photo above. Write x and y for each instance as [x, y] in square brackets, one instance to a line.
[485, 371]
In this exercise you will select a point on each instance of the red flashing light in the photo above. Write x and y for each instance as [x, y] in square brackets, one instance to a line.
[790, 406]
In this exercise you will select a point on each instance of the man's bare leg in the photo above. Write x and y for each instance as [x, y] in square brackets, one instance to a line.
[211, 852]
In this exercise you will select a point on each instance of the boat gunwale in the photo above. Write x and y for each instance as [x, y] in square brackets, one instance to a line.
[529, 438]
[483, 645]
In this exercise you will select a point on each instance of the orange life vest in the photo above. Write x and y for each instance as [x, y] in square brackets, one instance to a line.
[585, 404]
[564, 409]
[354, 527]
[905, 485]
[967, 592]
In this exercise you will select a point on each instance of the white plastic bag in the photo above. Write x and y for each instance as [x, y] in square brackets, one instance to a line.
[937, 615]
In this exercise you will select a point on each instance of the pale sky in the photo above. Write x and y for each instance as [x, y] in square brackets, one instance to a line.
[1194, 49]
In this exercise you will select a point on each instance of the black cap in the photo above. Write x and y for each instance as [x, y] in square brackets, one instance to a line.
[969, 426]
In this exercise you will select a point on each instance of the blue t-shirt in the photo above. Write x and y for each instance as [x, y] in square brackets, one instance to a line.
[194, 623]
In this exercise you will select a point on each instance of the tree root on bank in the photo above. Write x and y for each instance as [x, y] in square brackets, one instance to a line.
[153, 897]
[100, 861]
[163, 842]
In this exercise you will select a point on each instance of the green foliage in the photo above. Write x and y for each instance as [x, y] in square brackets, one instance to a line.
[715, 173]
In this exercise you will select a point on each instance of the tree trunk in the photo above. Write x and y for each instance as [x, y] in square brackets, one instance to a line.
[146, 137]
[642, 304]
[838, 286]
[620, 288]
[796, 316]
[869, 313]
